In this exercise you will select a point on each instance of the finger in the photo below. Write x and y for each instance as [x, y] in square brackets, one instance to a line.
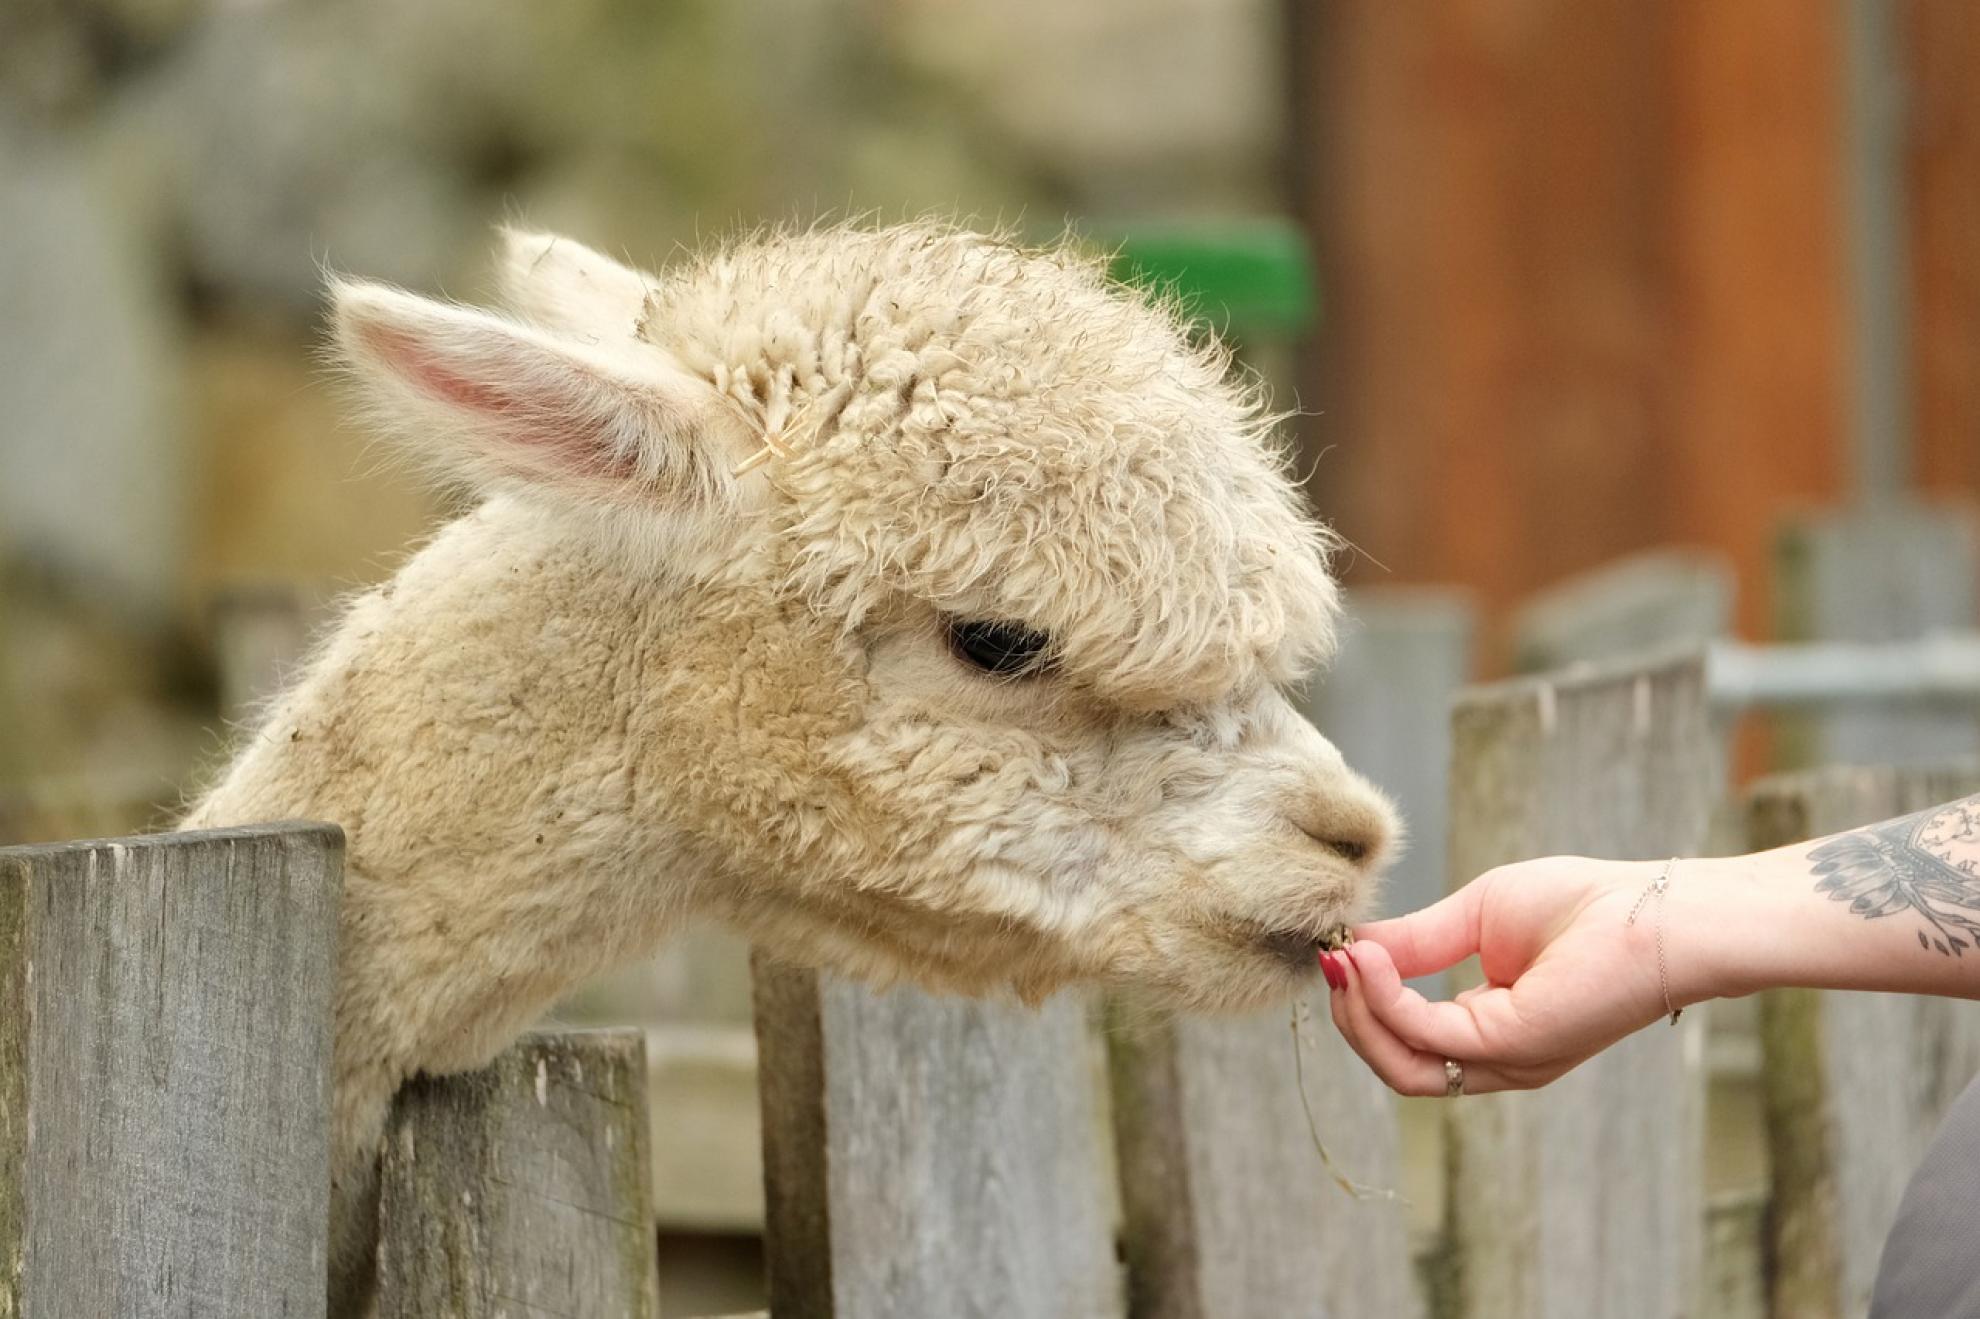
[1400, 1067]
[1440, 935]
[1404, 1069]
[1449, 1030]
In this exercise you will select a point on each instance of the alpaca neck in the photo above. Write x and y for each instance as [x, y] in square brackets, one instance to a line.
[467, 726]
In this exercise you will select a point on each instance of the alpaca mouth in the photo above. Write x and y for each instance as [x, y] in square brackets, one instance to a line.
[1298, 949]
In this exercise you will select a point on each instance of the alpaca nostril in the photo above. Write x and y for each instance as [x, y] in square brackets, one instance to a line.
[1349, 819]
[1347, 849]
[1351, 846]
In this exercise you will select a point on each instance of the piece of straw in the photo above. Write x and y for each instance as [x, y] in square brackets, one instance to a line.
[773, 435]
[1358, 1190]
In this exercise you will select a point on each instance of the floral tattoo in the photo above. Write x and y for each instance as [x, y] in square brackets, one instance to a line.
[1924, 863]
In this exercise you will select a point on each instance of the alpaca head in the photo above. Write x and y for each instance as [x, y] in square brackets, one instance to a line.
[983, 584]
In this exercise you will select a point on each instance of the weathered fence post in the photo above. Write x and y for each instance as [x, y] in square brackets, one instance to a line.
[1230, 1210]
[1893, 573]
[931, 1156]
[1854, 1083]
[1583, 1199]
[165, 1073]
[525, 1184]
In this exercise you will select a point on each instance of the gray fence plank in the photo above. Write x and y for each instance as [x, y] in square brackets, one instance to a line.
[693, 998]
[1386, 703]
[929, 1156]
[1855, 1083]
[523, 1188]
[1229, 1208]
[165, 1073]
[797, 1193]
[1657, 598]
[1583, 1199]
[1892, 573]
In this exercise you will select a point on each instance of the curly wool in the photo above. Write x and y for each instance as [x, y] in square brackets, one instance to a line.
[1054, 451]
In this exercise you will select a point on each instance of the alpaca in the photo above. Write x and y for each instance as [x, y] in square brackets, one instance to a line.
[916, 602]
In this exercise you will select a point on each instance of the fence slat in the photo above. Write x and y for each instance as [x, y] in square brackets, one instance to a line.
[524, 1187]
[930, 1156]
[1855, 1084]
[1229, 1208]
[1889, 574]
[1583, 1199]
[1656, 598]
[165, 1072]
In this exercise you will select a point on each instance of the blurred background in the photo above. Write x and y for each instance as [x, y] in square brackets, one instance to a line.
[175, 175]
[1552, 282]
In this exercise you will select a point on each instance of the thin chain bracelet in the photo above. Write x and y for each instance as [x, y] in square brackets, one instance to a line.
[1657, 888]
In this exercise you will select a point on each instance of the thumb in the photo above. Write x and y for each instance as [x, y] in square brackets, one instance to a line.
[1440, 935]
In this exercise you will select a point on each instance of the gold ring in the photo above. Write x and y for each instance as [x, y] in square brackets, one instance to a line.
[1453, 1079]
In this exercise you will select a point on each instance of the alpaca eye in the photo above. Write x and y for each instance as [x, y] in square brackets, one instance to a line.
[1010, 650]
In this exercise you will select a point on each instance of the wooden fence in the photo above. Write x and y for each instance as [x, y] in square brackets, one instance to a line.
[163, 1071]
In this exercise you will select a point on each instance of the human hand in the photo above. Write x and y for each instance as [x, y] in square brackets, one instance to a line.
[1566, 975]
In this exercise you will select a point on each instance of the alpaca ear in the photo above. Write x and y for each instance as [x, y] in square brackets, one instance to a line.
[563, 285]
[504, 403]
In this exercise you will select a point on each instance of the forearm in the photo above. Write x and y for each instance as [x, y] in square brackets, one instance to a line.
[1894, 906]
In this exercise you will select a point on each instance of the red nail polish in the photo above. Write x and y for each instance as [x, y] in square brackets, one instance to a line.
[1330, 967]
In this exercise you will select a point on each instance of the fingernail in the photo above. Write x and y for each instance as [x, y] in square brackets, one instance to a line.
[1330, 967]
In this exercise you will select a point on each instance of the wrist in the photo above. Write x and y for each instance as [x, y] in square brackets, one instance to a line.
[1710, 913]
[1733, 928]
[1660, 952]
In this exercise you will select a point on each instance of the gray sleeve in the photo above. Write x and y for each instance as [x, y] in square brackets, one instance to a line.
[1931, 1263]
